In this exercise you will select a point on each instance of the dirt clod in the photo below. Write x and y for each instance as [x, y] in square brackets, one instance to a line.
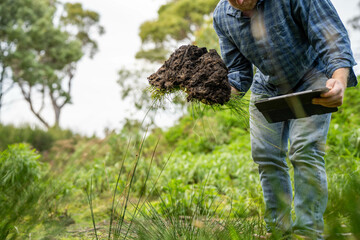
[201, 74]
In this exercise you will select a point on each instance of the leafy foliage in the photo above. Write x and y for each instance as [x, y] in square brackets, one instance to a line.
[177, 21]
[208, 176]
[209, 187]
[187, 21]
[24, 191]
[343, 157]
[38, 138]
[41, 46]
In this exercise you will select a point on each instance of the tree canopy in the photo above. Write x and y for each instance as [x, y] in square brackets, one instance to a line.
[41, 42]
[178, 20]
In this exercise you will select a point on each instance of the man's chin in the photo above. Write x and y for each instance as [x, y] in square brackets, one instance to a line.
[243, 9]
[246, 9]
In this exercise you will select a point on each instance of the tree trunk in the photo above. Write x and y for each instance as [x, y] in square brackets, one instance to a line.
[56, 108]
[57, 112]
[2, 77]
[27, 97]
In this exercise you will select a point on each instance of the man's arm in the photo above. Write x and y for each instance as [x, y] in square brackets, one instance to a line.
[240, 69]
[329, 38]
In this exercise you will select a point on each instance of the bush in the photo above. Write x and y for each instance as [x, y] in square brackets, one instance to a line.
[36, 137]
[22, 190]
[40, 139]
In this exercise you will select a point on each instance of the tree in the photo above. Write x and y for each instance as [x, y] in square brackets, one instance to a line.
[45, 40]
[355, 21]
[5, 84]
[8, 16]
[178, 21]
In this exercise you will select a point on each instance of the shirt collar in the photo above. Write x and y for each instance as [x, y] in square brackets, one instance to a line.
[237, 13]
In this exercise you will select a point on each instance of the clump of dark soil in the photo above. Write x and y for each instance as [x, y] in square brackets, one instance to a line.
[201, 74]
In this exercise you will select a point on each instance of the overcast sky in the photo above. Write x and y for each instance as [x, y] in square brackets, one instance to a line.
[96, 95]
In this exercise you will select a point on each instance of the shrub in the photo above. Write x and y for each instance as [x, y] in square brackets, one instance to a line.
[40, 139]
[36, 137]
[22, 188]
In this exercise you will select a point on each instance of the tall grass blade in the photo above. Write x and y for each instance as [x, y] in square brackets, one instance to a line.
[143, 188]
[115, 190]
[121, 222]
[89, 197]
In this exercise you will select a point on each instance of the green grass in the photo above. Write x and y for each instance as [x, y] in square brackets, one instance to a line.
[208, 189]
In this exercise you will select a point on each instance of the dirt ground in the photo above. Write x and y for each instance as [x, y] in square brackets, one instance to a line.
[201, 74]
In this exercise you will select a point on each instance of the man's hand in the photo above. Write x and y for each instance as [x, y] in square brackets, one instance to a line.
[337, 85]
[234, 91]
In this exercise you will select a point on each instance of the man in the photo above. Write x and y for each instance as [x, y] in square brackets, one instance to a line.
[296, 45]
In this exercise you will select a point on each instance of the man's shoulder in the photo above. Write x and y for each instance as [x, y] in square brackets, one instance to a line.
[222, 3]
[221, 8]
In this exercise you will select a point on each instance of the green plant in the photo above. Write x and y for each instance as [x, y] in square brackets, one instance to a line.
[343, 215]
[38, 138]
[237, 104]
[42, 140]
[22, 187]
[118, 220]
[175, 202]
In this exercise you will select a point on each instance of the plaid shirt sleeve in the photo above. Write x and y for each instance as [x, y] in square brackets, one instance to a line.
[240, 69]
[326, 33]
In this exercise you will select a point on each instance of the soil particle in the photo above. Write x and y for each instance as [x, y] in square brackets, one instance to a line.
[201, 74]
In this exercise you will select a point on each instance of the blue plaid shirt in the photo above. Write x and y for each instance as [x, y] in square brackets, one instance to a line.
[285, 40]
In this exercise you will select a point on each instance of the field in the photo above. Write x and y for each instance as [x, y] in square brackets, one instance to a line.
[195, 180]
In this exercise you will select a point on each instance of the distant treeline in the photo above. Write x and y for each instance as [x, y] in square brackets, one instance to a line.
[38, 138]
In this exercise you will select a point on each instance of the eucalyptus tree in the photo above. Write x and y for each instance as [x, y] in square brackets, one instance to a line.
[178, 22]
[44, 40]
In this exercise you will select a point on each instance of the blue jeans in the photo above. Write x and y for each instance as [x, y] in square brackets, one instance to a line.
[269, 143]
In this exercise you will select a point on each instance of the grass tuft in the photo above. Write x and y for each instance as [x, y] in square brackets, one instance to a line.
[237, 105]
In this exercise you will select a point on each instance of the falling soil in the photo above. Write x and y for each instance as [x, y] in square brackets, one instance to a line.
[201, 74]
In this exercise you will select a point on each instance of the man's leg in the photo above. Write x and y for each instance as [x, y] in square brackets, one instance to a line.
[307, 150]
[269, 147]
